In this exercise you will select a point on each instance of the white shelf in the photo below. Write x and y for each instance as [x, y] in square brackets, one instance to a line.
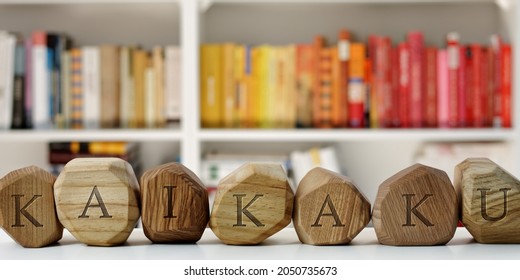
[45, 2]
[284, 245]
[91, 135]
[337, 135]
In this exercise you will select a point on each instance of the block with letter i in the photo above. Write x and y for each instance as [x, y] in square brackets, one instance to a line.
[416, 206]
[489, 199]
[252, 203]
[97, 200]
[27, 211]
[329, 209]
[174, 204]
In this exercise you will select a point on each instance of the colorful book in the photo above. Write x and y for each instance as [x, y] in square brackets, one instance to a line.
[357, 86]
[443, 89]
[403, 52]
[91, 87]
[430, 100]
[109, 115]
[416, 44]
[211, 82]
[453, 53]
[139, 64]
[40, 82]
[304, 77]
[76, 88]
[341, 78]
[66, 93]
[506, 78]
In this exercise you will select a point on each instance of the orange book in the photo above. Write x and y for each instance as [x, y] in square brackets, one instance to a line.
[322, 113]
[140, 63]
[341, 57]
[211, 86]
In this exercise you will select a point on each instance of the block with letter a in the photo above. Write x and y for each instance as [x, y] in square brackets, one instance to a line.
[252, 203]
[329, 209]
[416, 206]
[174, 204]
[27, 210]
[490, 201]
[97, 200]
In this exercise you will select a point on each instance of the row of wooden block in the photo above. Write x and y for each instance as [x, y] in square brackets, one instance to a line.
[99, 201]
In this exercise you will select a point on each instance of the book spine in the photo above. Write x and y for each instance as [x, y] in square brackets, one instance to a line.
[109, 95]
[28, 97]
[228, 86]
[211, 113]
[126, 82]
[66, 95]
[506, 60]
[431, 87]
[150, 97]
[18, 118]
[443, 89]
[319, 44]
[490, 88]
[372, 82]
[139, 69]
[40, 82]
[463, 102]
[357, 86]
[76, 88]
[454, 59]
[91, 87]
[474, 83]
[496, 44]
[172, 83]
[404, 85]
[340, 98]
[394, 88]
[416, 42]
[7, 53]
[304, 77]
[159, 85]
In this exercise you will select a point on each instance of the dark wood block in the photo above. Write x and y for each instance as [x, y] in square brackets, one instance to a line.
[174, 204]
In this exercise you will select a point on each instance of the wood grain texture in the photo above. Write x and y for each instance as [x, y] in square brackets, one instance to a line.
[27, 211]
[252, 203]
[329, 209]
[174, 204]
[416, 206]
[489, 198]
[97, 200]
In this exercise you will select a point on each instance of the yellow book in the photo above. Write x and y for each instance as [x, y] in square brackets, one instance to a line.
[240, 110]
[270, 97]
[140, 63]
[158, 66]
[290, 87]
[261, 73]
[228, 85]
[211, 85]
[254, 106]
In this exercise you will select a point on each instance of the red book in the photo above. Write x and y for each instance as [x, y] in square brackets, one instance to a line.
[489, 86]
[496, 43]
[357, 88]
[416, 42]
[430, 104]
[394, 71]
[505, 75]
[462, 101]
[382, 81]
[477, 95]
[453, 53]
[403, 53]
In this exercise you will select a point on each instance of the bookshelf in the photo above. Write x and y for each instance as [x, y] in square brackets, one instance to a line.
[368, 156]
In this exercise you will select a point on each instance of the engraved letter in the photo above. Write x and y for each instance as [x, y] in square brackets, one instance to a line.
[332, 213]
[410, 210]
[170, 201]
[23, 211]
[246, 212]
[483, 205]
[100, 204]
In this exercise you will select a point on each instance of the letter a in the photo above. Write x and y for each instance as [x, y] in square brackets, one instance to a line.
[483, 205]
[332, 213]
[100, 204]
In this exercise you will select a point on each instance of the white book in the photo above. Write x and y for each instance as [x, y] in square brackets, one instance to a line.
[172, 80]
[40, 87]
[303, 161]
[150, 98]
[7, 50]
[91, 72]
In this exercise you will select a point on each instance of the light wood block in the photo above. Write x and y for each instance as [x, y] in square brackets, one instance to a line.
[27, 211]
[329, 209]
[174, 204]
[416, 206]
[489, 198]
[97, 200]
[252, 203]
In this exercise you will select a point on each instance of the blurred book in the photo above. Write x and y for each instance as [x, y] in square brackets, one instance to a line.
[303, 161]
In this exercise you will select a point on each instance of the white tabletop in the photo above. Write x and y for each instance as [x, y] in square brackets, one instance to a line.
[283, 245]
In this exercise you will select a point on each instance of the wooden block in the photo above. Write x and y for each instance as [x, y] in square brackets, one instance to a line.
[27, 210]
[174, 204]
[489, 198]
[329, 209]
[97, 200]
[252, 203]
[416, 206]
